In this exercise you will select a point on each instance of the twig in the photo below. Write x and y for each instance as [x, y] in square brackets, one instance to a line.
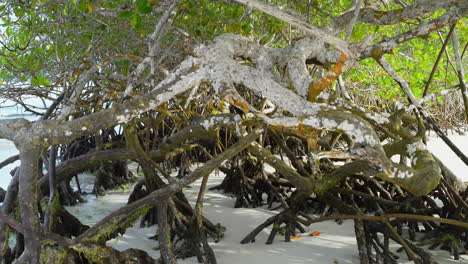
[320, 10]
[454, 193]
[357, 8]
[434, 68]
[460, 71]
[297, 20]
[155, 41]
[409, 252]
[370, 197]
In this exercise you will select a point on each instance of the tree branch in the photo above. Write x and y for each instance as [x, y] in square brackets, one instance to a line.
[298, 21]
[124, 216]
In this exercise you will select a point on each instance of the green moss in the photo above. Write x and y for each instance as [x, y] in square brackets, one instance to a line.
[93, 254]
[116, 225]
[55, 207]
[124, 187]
[452, 240]
[51, 253]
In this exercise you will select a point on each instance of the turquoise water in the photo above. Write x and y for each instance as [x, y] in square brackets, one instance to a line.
[14, 112]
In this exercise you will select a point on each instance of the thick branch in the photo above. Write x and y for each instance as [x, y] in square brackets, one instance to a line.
[200, 129]
[100, 232]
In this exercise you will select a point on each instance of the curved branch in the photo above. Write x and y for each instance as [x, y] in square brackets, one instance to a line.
[199, 130]
[9, 161]
[105, 228]
[452, 15]
[376, 17]
[296, 20]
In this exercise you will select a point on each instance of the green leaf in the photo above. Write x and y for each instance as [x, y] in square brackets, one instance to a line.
[125, 14]
[9, 31]
[18, 12]
[38, 80]
[146, 10]
[83, 5]
[141, 5]
[136, 22]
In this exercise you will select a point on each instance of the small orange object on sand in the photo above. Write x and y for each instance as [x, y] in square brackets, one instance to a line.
[295, 238]
[316, 233]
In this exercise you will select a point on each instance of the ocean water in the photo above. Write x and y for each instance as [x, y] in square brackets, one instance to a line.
[7, 148]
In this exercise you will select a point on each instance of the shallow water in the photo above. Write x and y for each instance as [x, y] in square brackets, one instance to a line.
[7, 148]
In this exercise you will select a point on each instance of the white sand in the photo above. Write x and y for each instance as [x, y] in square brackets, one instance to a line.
[438, 147]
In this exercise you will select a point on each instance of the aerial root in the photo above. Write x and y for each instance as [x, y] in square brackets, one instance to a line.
[291, 224]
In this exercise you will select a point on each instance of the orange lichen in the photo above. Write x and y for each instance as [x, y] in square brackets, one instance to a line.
[305, 130]
[277, 128]
[242, 105]
[237, 103]
[307, 133]
[316, 87]
[295, 237]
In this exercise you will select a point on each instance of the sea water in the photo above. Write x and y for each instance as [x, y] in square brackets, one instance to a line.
[7, 148]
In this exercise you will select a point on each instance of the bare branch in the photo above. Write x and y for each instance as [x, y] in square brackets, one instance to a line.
[376, 17]
[353, 21]
[296, 20]
[101, 231]
[452, 15]
[155, 42]
[460, 71]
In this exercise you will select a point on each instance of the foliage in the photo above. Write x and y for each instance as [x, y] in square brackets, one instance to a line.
[46, 40]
